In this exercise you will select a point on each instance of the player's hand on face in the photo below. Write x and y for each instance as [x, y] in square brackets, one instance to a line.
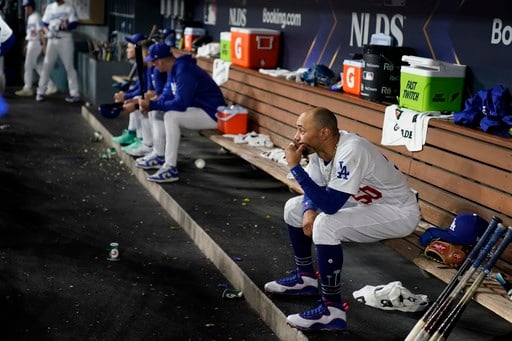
[293, 154]
[307, 222]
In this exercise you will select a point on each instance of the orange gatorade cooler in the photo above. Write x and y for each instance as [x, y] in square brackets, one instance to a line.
[254, 47]
[352, 72]
[191, 34]
[232, 120]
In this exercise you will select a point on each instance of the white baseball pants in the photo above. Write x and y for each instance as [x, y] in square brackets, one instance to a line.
[357, 223]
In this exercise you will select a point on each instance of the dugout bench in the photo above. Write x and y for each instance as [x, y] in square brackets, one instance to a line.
[459, 169]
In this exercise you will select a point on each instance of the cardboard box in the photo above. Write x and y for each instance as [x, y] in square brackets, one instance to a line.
[225, 46]
[255, 47]
[431, 85]
[352, 75]
[232, 120]
[191, 34]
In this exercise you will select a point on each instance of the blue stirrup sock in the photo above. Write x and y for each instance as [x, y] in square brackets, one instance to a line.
[330, 262]
[301, 245]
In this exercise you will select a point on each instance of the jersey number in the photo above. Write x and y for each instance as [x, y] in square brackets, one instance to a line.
[367, 194]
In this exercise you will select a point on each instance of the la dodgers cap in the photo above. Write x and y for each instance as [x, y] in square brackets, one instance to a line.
[135, 38]
[464, 230]
[157, 51]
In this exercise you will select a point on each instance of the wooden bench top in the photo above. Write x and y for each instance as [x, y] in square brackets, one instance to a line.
[252, 155]
[120, 78]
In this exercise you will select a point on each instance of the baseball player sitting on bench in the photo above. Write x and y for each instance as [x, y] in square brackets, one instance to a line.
[145, 121]
[132, 137]
[352, 193]
[59, 19]
[190, 103]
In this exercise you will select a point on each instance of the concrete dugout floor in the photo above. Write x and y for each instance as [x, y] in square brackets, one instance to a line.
[180, 244]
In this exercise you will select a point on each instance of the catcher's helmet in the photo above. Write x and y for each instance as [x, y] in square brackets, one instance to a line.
[110, 110]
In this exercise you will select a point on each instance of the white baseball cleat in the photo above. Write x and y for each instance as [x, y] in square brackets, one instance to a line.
[298, 283]
[327, 316]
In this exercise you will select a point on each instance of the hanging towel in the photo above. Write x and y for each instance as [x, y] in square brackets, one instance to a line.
[220, 72]
[407, 127]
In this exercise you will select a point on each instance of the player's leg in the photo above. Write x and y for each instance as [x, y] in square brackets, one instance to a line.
[363, 224]
[50, 58]
[146, 138]
[34, 49]
[37, 66]
[129, 135]
[192, 118]
[135, 128]
[66, 52]
[366, 223]
[155, 159]
[31, 54]
[301, 281]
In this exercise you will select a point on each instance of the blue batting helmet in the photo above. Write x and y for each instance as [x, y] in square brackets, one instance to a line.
[110, 110]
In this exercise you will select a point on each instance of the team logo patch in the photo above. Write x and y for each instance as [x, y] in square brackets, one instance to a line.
[343, 173]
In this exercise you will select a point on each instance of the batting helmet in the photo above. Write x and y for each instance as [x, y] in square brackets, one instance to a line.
[110, 110]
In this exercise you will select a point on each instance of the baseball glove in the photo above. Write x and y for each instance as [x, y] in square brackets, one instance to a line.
[445, 253]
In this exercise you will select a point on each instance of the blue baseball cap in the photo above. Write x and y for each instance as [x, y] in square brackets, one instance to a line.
[29, 3]
[465, 229]
[134, 39]
[157, 51]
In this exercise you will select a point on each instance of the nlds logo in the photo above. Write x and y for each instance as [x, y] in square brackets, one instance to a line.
[238, 17]
[382, 23]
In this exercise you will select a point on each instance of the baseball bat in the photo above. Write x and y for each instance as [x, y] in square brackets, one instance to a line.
[134, 67]
[140, 68]
[139, 62]
[451, 285]
[454, 315]
[434, 319]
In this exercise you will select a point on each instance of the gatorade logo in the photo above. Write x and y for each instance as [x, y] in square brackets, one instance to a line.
[351, 77]
[238, 48]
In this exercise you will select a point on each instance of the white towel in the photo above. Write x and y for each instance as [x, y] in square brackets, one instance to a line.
[407, 127]
[220, 72]
[391, 296]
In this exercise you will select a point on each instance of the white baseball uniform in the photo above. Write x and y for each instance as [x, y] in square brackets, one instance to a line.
[381, 205]
[60, 44]
[5, 33]
[34, 49]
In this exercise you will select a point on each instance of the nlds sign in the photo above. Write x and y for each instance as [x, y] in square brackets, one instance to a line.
[382, 23]
[238, 17]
